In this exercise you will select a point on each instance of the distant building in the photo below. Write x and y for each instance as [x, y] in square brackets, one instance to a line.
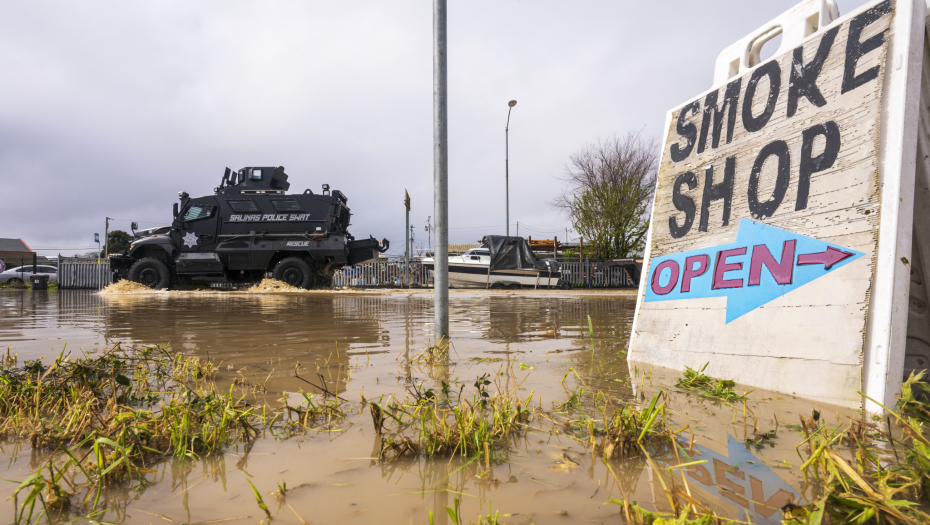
[15, 252]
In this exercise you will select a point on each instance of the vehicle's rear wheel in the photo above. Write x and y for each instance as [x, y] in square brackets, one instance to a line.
[150, 272]
[515, 286]
[15, 280]
[565, 285]
[295, 272]
[497, 285]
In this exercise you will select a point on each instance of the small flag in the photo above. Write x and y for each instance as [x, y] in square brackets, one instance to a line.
[407, 200]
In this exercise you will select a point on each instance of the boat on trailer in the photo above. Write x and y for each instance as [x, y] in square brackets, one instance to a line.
[501, 262]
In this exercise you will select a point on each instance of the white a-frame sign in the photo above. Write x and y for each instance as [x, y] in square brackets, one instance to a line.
[789, 233]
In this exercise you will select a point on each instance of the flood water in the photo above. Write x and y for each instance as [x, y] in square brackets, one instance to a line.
[360, 344]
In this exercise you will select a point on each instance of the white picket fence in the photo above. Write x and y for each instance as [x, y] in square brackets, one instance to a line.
[382, 274]
[584, 275]
[390, 274]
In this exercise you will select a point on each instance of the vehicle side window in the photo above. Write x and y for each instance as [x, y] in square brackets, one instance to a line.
[244, 206]
[196, 212]
[256, 174]
[286, 205]
[484, 253]
[48, 269]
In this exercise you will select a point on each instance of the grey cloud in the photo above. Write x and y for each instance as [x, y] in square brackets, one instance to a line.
[111, 108]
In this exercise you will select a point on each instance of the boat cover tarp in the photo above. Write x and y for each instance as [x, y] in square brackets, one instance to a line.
[513, 253]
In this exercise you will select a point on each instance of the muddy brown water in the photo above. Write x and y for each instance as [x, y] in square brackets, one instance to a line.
[360, 343]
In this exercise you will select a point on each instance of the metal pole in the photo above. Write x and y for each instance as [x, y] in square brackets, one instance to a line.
[407, 243]
[407, 256]
[510, 105]
[440, 172]
[106, 240]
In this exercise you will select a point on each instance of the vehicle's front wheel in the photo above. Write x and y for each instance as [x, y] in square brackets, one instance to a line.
[15, 280]
[295, 272]
[150, 272]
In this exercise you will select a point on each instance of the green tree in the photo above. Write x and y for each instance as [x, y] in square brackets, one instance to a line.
[608, 193]
[119, 241]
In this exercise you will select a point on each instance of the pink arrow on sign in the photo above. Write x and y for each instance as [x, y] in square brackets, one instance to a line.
[827, 258]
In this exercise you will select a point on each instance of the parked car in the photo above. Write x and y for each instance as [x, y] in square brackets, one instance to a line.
[22, 274]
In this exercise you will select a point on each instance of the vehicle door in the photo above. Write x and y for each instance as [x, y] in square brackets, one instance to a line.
[196, 236]
[23, 273]
[197, 227]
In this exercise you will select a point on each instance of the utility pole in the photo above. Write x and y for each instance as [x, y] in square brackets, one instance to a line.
[407, 246]
[106, 239]
[429, 232]
[440, 172]
[512, 103]
[518, 228]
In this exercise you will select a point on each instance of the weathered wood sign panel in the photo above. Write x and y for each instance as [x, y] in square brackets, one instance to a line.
[766, 219]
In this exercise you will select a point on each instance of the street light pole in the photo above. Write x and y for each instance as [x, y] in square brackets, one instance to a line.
[512, 103]
[440, 173]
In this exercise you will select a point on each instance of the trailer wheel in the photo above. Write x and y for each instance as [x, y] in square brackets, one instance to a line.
[565, 285]
[150, 272]
[295, 272]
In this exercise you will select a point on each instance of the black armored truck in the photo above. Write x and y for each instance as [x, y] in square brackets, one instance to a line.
[250, 228]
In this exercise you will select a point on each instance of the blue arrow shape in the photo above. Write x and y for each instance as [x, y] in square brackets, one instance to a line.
[749, 272]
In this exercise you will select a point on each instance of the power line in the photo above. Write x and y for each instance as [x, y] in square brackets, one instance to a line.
[523, 225]
[476, 227]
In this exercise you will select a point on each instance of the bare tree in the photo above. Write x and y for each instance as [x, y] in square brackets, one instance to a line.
[608, 192]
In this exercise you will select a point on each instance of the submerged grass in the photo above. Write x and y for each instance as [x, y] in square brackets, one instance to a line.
[867, 472]
[120, 412]
[435, 425]
[698, 381]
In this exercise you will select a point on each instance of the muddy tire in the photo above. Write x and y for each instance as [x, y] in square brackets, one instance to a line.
[295, 272]
[151, 272]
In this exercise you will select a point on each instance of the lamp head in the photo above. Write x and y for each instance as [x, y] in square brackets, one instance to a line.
[512, 103]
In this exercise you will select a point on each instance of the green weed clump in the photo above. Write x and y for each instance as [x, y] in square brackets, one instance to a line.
[704, 384]
[122, 411]
[434, 425]
[870, 485]
[867, 473]
[455, 514]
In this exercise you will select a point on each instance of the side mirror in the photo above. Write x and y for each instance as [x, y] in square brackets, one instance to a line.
[175, 210]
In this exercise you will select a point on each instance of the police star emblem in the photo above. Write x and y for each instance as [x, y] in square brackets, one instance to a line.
[190, 240]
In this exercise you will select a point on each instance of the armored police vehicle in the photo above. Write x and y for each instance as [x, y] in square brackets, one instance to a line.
[249, 228]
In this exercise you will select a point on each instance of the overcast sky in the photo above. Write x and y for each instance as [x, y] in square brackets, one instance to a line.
[112, 108]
